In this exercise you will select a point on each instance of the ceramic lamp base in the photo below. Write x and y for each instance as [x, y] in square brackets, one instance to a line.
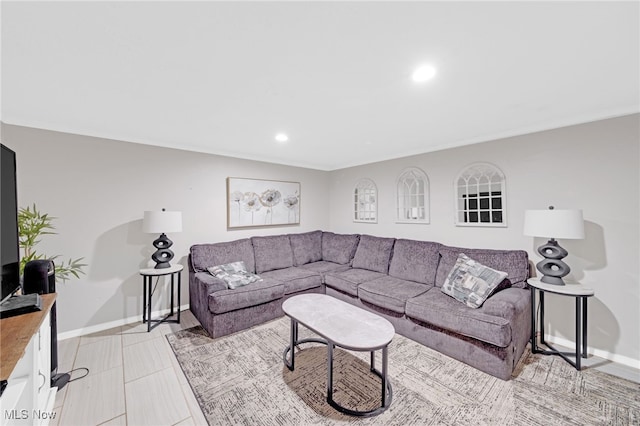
[552, 267]
[163, 255]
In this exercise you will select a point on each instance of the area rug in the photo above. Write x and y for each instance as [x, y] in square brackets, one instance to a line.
[241, 380]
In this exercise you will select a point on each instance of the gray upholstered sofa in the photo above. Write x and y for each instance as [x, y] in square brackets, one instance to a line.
[398, 279]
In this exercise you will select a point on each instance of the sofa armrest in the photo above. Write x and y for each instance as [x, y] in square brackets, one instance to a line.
[207, 284]
[507, 303]
[201, 285]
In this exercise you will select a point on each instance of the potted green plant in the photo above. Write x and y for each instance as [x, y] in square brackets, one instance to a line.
[32, 225]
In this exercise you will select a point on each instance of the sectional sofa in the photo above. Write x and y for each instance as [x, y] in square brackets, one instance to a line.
[398, 279]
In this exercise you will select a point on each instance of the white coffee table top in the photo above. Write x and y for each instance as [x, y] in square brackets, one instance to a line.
[345, 325]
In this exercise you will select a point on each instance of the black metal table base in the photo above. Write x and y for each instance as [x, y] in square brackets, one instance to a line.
[387, 391]
[581, 332]
[146, 302]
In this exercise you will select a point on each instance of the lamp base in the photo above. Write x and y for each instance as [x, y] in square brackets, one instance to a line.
[162, 265]
[163, 255]
[552, 280]
[552, 267]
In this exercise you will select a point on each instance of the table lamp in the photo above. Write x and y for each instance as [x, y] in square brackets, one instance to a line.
[553, 224]
[160, 222]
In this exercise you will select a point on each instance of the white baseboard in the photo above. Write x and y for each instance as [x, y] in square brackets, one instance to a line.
[112, 324]
[619, 359]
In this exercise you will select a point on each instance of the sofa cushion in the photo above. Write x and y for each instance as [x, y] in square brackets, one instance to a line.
[390, 293]
[373, 253]
[295, 279]
[471, 282]
[206, 255]
[323, 267]
[273, 252]
[306, 247]
[339, 248]
[251, 295]
[415, 261]
[436, 308]
[233, 274]
[348, 281]
[514, 262]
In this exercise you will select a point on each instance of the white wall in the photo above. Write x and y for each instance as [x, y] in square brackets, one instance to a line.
[99, 189]
[593, 167]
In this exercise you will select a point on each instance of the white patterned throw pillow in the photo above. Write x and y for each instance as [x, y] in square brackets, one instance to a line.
[233, 274]
[471, 282]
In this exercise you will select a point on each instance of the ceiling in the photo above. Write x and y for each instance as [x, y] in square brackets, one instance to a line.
[226, 77]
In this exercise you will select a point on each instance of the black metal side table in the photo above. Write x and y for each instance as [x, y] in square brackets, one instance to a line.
[147, 276]
[581, 294]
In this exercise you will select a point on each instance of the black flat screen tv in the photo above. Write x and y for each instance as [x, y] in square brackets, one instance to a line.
[10, 252]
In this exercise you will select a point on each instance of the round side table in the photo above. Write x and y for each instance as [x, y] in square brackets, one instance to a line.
[147, 276]
[581, 294]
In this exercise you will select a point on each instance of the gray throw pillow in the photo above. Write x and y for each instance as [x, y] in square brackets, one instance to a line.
[233, 274]
[471, 282]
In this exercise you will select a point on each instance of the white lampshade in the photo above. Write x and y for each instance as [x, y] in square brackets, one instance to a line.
[554, 223]
[160, 222]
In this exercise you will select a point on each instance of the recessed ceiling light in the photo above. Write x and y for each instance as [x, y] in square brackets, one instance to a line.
[281, 137]
[423, 73]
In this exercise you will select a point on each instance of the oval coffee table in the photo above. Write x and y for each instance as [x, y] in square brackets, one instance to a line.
[340, 324]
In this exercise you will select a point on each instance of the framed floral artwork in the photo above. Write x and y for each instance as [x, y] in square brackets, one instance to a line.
[257, 202]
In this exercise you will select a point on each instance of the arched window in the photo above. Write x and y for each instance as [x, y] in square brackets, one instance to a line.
[413, 196]
[480, 196]
[365, 198]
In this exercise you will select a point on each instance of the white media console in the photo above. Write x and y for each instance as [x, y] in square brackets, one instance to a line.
[25, 367]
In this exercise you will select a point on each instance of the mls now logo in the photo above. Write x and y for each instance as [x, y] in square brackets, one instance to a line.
[24, 414]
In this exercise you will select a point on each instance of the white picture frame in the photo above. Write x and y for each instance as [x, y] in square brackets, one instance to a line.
[261, 202]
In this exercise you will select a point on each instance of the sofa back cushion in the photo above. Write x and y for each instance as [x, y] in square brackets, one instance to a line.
[415, 261]
[373, 253]
[339, 248]
[306, 247]
[206, 255]
[273, 252]
[514, 262]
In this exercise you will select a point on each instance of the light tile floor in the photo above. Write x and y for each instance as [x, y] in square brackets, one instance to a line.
[135, 380]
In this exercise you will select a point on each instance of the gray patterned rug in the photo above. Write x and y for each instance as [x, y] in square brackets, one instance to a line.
[241, 380]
